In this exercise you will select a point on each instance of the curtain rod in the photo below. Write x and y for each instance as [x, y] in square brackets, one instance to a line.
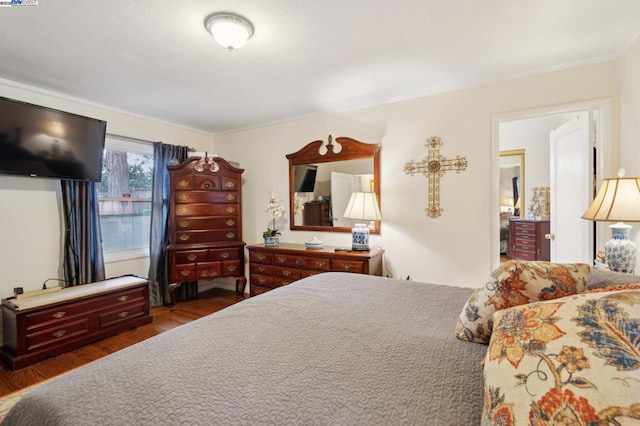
[117, 136]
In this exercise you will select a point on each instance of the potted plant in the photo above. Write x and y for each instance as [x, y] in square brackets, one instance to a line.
[275, 210]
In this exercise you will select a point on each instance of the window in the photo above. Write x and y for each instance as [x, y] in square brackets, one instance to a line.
[125, 198]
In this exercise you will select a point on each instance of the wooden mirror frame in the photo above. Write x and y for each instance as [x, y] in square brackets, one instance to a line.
[518, 153]
[319, 152]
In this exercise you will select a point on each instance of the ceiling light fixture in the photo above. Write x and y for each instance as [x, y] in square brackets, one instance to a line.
[229, 30]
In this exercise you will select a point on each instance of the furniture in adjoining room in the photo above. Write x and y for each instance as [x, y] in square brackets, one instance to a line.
[317, 213]
[527, 239]
[272, 267]
[205, 216]
[36, 327]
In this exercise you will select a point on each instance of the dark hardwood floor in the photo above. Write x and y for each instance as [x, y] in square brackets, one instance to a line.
[208, 302]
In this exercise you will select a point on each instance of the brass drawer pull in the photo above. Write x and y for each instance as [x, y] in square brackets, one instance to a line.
[230, 184]
[183, 197]
[231, 268]
[261, 257]
[231, 209]
[261, 269]
[59, 315]
[346, 267]
[282, 259]
[231, 235]
[262, 281]
[192, 257]
[184, 272]
[225, 255]
[184, 237]
[231, 197]
[123, 298]
[183, 223]
[300, 262]
[59, 333]
[184, 183]
[184, 209]
[286, 273]
[230, 222]
[319, 264]
[123, 314]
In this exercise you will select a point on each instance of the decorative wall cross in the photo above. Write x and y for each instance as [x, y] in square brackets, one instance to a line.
[434, 166]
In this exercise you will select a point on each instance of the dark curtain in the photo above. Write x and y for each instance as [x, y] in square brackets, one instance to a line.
[163, 155]
[83, 260]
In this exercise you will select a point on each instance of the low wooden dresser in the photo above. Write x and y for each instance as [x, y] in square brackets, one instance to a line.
[272, 267]
[527, 239]
[48, 324]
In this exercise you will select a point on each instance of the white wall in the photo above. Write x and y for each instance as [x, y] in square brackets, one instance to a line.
[454, 249]
[30, 218]
[630, 121]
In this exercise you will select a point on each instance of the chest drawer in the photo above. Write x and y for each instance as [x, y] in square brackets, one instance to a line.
[191, 223]
[57, 334]
[123, 313]
[291, 274]
[225, 254]
[192, 256]
[260, 268]
[340, 265]
[206, 210]
[260, 257]
[303, 262]
[190, 237]
[206, 197]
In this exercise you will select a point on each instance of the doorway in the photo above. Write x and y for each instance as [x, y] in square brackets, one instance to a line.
[530, 130]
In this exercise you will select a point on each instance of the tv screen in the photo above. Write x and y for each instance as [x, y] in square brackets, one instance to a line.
[44, 142]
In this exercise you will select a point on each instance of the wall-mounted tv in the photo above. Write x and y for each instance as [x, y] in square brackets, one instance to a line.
[45, 142]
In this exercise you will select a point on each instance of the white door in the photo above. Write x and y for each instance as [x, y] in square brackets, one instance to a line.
[342, 185]
[571, 190]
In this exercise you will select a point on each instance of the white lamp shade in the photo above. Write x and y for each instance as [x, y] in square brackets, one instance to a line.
[618, 200]
[230, 31]
[363, 206]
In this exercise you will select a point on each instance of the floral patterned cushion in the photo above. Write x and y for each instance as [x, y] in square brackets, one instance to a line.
[613, 287]
[574, 360]
[517, 283]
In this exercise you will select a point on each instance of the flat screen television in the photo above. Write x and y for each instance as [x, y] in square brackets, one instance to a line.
[45, 142]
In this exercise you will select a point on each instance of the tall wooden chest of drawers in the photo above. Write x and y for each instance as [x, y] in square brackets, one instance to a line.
[527, 239]
[272, 267]
[205, 216]
[48, 324]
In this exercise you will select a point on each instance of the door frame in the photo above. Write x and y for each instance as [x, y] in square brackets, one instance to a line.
[604, 145]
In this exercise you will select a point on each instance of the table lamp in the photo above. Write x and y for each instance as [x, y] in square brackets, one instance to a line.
[618, 200]
[362, 206]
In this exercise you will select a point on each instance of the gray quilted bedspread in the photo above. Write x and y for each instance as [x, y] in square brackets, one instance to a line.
[334, 349]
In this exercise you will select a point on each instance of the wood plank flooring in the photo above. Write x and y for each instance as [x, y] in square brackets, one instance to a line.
[208, 302]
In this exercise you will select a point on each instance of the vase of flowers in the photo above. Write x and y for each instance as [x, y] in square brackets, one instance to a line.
[275, 210]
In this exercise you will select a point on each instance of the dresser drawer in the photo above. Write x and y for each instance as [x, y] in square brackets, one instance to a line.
[186, 272]
[340, 265]
[262, 280]
[291, 274]
[262, 269]
[525, 255]
[303, 262]
[207, 182]
[256, 289]
[123, 313]
[206, 197]
[208, 270]
[225, 254]
[191, 237]
[206, 210]
[192, 256]
[182, 182]
[260, 257]
[304, 273]
[230, 183]
[57, 334]
[191, 223]
[230, 268]
[52, 317]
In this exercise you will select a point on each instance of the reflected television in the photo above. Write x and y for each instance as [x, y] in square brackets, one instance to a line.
[44, 142]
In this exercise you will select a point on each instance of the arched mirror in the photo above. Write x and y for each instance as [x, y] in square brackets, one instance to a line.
[322, 177]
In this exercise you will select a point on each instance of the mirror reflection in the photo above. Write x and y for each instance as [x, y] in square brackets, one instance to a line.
[512, 199]
[322, 177]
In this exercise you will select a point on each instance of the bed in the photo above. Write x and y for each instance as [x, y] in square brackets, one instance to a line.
[334, 348]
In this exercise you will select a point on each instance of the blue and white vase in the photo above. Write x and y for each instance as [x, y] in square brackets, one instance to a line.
[273, 241]
[619, 251]
[360, 237]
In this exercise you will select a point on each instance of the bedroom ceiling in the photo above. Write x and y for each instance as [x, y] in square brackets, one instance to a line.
[156, 59]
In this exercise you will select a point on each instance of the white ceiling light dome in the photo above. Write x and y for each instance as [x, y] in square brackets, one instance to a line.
[229, 30]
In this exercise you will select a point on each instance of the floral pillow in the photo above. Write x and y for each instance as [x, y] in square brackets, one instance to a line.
[517, 283]
[574, 360]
